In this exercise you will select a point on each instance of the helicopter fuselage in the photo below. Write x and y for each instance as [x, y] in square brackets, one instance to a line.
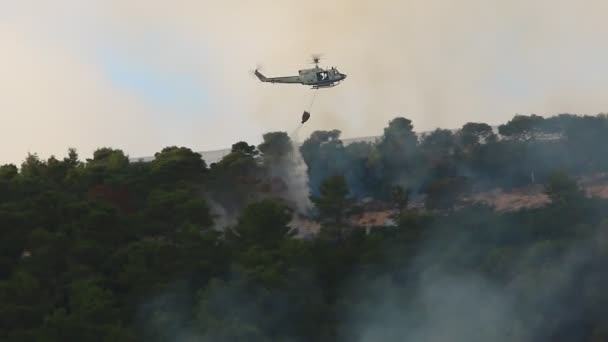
[315, 77]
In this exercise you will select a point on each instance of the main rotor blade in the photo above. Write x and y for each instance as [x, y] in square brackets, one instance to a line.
[316, 57]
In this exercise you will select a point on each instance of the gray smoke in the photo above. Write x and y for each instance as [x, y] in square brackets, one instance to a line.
[222, 218]
[292, 171]
[441, 63]
[448, 304]
[441, 301]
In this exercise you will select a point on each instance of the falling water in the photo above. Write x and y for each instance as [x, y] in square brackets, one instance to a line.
[297, 176]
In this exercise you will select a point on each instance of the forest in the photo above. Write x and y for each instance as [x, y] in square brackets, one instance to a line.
[175, 249]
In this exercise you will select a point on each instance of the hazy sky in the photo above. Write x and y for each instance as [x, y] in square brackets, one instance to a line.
[142, 75]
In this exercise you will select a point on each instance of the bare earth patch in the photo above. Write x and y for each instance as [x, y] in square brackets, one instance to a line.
[532, 196]
[527, 197]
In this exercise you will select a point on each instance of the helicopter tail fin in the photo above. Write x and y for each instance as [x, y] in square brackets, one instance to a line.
[260, 76]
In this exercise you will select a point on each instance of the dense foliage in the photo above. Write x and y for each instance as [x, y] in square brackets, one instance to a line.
[107, 249]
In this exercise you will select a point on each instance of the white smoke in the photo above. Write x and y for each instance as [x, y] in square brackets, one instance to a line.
[222, 218]
[297, 176]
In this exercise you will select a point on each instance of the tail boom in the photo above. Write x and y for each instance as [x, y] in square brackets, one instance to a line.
[287, 79]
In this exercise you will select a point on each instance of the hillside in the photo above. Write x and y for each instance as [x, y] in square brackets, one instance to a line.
[397, 246]
[214, 156]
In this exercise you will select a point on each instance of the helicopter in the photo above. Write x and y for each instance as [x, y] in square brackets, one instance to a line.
[316, 77]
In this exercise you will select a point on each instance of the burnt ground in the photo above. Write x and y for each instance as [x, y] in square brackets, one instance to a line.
[373, 215]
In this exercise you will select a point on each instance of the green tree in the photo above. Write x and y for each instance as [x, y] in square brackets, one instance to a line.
[240, 171]
[8, 171]
[108, 166]
[398, 140]
[586, 140]
[444, 193]
[244, 148]
[397, 153]
[400, 197]
[333, 200]
[174, 164]
[108, 158]
[72, 158]
[257, 241]
[264, 223]
[324, 154]
[439, 144]
[23, 306]
[33, 167]
[522, 127]
[276, 145]
[227, 311]
[170, 209]
[474, 133]
[562, 189]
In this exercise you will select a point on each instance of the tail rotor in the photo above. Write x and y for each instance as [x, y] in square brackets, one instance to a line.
[252, 72]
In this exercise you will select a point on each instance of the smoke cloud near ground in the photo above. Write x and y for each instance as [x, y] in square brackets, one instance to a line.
[291, 170]
[440, 301]
[446, 303]
[222, 218]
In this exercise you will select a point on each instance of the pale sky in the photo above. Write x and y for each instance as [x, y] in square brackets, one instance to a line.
[141, 75]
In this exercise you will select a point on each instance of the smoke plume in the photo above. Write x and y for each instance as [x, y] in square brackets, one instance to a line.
[438, 63]
[297, 176]
[290, 170]
[447, 303]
